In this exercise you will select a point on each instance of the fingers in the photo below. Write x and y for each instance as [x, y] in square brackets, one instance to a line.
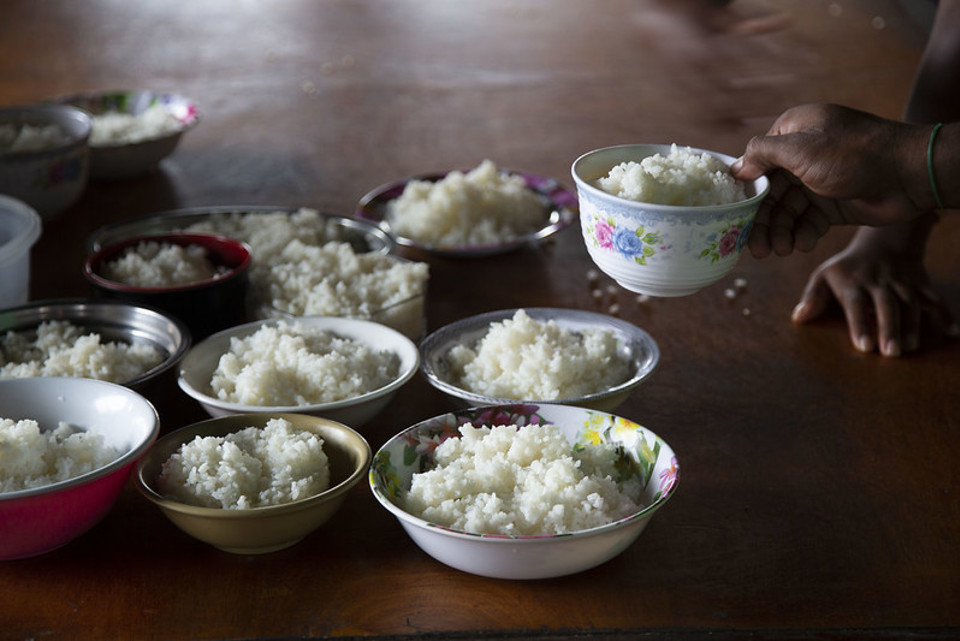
[787, 220]
[814, 301]
[889, 325]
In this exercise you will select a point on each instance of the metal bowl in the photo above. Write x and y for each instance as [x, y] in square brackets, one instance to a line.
[113, 321]
[363, 236]
[635, 346]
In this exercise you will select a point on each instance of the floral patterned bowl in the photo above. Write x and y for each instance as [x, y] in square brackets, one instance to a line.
[660, 250]
[137, 147]
[526, 557]
[48, 174]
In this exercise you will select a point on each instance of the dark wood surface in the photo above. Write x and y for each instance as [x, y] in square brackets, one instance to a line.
[819, 496]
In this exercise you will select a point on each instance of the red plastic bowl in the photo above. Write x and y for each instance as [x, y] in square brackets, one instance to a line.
[39, 520]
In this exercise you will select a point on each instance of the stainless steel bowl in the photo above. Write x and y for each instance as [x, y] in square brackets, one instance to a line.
[635, 346]
[362, 235]
[113, 321]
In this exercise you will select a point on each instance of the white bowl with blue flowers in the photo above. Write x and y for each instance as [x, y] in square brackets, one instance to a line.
[660, 250]
[644, 456]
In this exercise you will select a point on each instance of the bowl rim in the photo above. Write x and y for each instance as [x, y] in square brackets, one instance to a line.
[760, 185]
[51, 113]
[501, 539]
[211, 242]
[68, 304]
[162, 222]
[435, 341]
[147, 490]
[405, 346]
[127, 458]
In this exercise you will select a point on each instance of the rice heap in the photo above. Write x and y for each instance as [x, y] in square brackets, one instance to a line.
[482, 206]
[521, 358]
[683, 177]
[300, 267]
[161, 264]
[32, 457]
[288, 364]
[248, 468]
[521, 481]
[61, 348]
[25, 138]
[118, 128]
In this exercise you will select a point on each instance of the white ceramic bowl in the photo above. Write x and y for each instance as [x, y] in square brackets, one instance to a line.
[634, 346]
[126, 159]
[37, 520]
[660, 250]
[51, 179]
[201, 361]
[525, 557]
[20, 227]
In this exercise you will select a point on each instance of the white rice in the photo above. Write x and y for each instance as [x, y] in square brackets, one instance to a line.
[155, 264]
[23, 139]
[521, 481]
[301, 267]
[482, 206]
[248, 468]
[118, 128]
[33, 457]
[683, 177]
[60, 348]
[289, 364]
[522, 358]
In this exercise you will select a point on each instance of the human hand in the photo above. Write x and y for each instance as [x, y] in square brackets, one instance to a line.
[881, 284]
[830, 165]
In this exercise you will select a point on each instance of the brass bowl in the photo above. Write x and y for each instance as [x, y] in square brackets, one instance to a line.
[259, 530]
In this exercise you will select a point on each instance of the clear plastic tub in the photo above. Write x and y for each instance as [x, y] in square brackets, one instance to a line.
[19, 229]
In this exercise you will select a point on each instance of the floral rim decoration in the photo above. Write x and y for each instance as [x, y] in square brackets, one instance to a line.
[638, 244]
[639, 456]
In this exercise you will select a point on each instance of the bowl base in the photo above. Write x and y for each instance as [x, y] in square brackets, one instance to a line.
[258, 550]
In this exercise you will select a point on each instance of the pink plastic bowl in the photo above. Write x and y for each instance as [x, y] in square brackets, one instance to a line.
[38, 520]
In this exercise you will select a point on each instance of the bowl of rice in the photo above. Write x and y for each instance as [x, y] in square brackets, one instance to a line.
[306, 263]
[524, 491]
[664, 220]
[253, 483]
[343, 369]
[44, 155]
[132, 131]
[199, 278]
[539, 355]
[68, 446]
[477, 212]
[133, 346]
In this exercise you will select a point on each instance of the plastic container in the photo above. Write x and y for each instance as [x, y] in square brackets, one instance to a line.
[19, 229]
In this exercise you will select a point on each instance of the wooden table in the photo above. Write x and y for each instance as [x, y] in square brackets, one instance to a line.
[819, 496]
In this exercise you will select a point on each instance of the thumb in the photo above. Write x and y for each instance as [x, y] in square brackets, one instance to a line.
[763, 153]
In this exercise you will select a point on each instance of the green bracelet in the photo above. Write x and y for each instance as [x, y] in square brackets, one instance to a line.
[933, 181]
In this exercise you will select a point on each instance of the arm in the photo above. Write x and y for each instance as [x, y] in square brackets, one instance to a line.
[880, 280]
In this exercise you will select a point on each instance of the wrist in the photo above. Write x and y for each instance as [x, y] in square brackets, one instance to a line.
[915, 166]
[927, 156]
